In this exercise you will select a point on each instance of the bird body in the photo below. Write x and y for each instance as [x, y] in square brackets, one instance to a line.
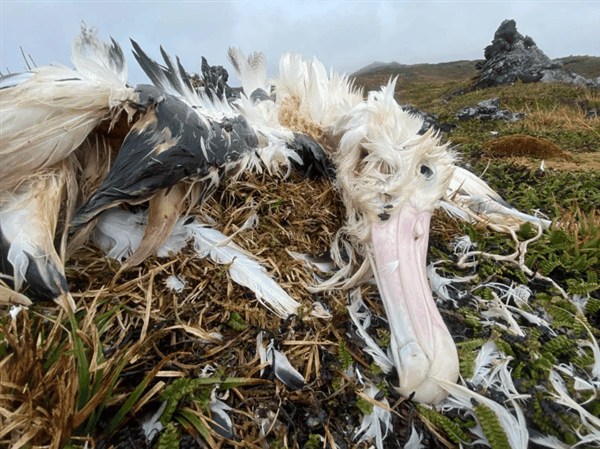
[390, 177]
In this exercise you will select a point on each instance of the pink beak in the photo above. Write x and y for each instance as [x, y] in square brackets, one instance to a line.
[421, 344]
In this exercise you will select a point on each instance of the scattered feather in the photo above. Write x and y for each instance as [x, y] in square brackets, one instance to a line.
[282, 368]
[488, 353]
[322, 263]
[242, 268]
[362, 321]
[175, 283]
[222, 421]
[320, 311]
[561, 396]
[119, 233]
[151, 423]
[462, 245]
[377, 424]
[497, 309]
[550, 441]
[439, 285]
[14, 312]
[414, 442]
[595, 349]
[514, 427]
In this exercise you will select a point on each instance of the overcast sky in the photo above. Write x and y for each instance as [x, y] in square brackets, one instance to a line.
[343, 35]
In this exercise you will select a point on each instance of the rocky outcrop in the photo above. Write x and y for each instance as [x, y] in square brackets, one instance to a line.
[512, 56]
[488, 110]
[429, 120]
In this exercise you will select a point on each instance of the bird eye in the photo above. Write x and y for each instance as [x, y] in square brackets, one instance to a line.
[426, 171]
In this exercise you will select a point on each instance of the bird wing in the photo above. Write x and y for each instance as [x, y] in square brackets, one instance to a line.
[28, 220]
[171, 79]
[46, 114]
[169, 143]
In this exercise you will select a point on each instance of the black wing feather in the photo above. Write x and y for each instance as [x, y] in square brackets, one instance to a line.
[170, 143]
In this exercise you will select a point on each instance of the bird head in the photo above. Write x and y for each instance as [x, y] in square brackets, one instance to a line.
[390, 178]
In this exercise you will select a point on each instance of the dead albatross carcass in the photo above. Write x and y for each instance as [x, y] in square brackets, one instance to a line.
[389, 176]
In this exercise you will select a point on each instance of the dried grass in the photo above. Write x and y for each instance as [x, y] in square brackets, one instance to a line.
[135, 331]
[560, 117]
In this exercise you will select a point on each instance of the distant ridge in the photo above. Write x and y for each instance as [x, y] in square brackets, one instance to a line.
[374, 75]
[376, 67]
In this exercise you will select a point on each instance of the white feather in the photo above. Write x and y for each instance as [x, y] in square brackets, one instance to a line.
[251, 71]
[99, 61]
[320, 311]
[439, 285]
[471, 199]
[561, 396]
[324, 97]
[17, 255]
[219, 411]
[243, 269]
[175, 283]
[282, 368]
[379, 423]
[414, 442]
[514, 427]
[362, 321]
[483, 364]
[47, 116]
[151, 424]
[14, 312]
[119, 233]
[550, 441]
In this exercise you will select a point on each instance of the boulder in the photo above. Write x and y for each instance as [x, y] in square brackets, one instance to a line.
[512, 56]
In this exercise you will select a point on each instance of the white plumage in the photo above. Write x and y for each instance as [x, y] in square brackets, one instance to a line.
[69, 103]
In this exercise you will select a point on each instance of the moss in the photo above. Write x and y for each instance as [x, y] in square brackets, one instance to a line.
[520, 145]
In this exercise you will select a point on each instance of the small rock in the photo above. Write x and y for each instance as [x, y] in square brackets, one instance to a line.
[429, 120]
[488, 110]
